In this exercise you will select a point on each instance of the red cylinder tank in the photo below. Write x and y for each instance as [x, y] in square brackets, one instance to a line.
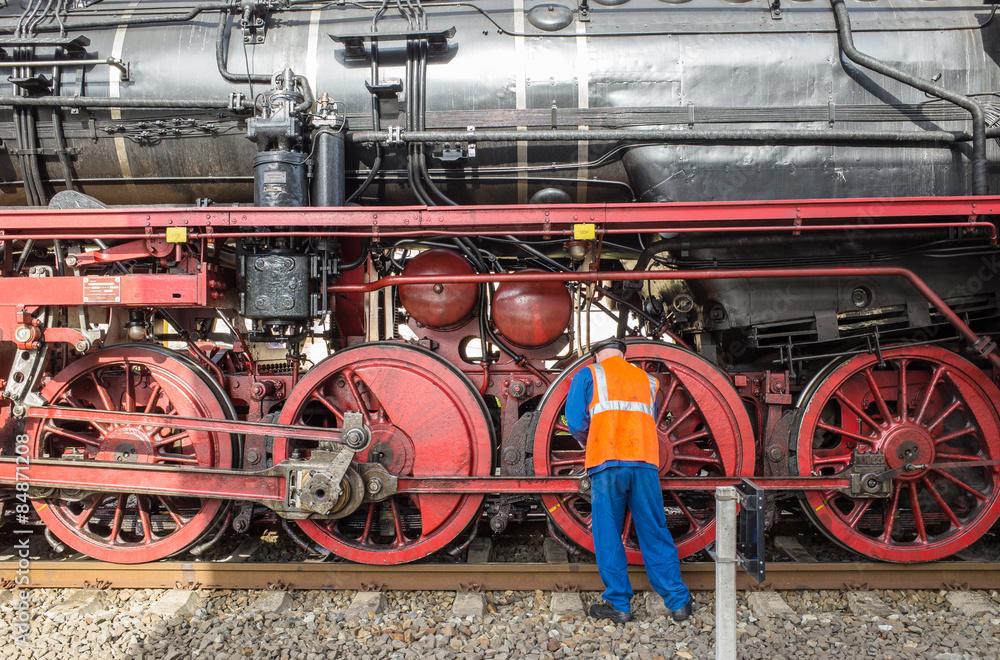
[532, 314]
[439, 306]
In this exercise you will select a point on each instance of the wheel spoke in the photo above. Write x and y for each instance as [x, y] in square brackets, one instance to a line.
[171, 439]
[955, 405]
[957, 457]
[73, 402]
[329, 405]
[103, 393]
[690, 410]
[667, 395]
[929, 485]
[627, 528]
[147, 526]
[116, 523]
[854, 408]
[860, 509]
[184, 459]
[172, 510]
[935, 379]
[72, 435]
[883, 407]
[941, 439]
[349, 375]
[366, 532]
[87, 513]
[961, 484]
[397, 523]
[891, 513]
[154, 398]
[695, 525]
[902, 399]
[918, 516]
[844, 432]
[128, 396]
[831, 460]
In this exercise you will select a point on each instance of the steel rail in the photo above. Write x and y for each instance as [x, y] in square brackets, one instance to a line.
[485, 577]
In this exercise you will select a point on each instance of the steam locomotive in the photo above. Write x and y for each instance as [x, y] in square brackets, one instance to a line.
[333, 265]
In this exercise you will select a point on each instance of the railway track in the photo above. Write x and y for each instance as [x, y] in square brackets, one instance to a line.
[487, 577]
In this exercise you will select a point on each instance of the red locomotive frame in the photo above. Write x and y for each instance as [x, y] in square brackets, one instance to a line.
[445, 480]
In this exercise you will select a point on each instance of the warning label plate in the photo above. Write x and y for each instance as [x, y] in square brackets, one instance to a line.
[102, 290]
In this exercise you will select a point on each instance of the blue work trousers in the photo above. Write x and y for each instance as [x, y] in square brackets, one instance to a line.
[612, 489]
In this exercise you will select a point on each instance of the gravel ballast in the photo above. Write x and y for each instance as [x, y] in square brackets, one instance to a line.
[419, 624]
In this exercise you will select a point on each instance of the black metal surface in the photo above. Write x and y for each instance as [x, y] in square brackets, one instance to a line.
[329, 157]
[280, 179]
[750, 530]
[276, 287]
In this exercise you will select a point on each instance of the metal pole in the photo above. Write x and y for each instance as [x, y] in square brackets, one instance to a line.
[726, 499]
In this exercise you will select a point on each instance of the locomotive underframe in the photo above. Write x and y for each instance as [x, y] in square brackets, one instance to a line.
[277, 478]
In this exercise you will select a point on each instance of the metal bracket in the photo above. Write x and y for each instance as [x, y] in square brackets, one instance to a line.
[775, 8]
[44, 151]
[868, 479]
[354, 44]
[750, 529]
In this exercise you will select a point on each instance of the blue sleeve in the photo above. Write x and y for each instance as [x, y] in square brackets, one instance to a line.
[581, 392]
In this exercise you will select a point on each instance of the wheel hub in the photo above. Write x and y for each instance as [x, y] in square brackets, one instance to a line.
[127, 444]
[908, 444]
[391, 447]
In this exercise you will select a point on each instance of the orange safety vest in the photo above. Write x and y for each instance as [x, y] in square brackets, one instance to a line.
[622, 415]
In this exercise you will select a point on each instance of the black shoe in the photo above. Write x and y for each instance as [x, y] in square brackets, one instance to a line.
[684, 612]
[604, 610]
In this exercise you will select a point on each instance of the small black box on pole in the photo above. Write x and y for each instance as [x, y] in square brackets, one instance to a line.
[750, 529]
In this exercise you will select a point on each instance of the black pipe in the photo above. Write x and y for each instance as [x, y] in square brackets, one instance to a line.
[220, 58]
[979, 162]
[665, 135]
[108, 102]
[329, 167]
[308, 99]
[358, 260]
[133, 20]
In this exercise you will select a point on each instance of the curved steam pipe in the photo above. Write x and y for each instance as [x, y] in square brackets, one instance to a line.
[846, 39]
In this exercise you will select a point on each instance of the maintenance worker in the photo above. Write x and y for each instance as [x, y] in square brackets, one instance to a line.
[611, 409]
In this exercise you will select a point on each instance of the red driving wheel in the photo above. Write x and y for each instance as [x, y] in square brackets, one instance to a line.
[924, 407]
[704, 430]
[122, 528]
[426, 420]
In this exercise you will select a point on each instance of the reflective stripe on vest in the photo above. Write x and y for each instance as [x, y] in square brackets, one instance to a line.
[604, 402]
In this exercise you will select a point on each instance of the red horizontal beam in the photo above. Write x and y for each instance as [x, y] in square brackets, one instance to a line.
[429, 218]
[146, 290]
[144, 479]
[187, 423]
[270, 485]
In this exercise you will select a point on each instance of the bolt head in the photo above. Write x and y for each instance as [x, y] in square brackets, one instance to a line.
[374, 485]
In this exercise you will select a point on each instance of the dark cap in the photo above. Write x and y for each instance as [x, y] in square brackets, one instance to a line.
[612, 343]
